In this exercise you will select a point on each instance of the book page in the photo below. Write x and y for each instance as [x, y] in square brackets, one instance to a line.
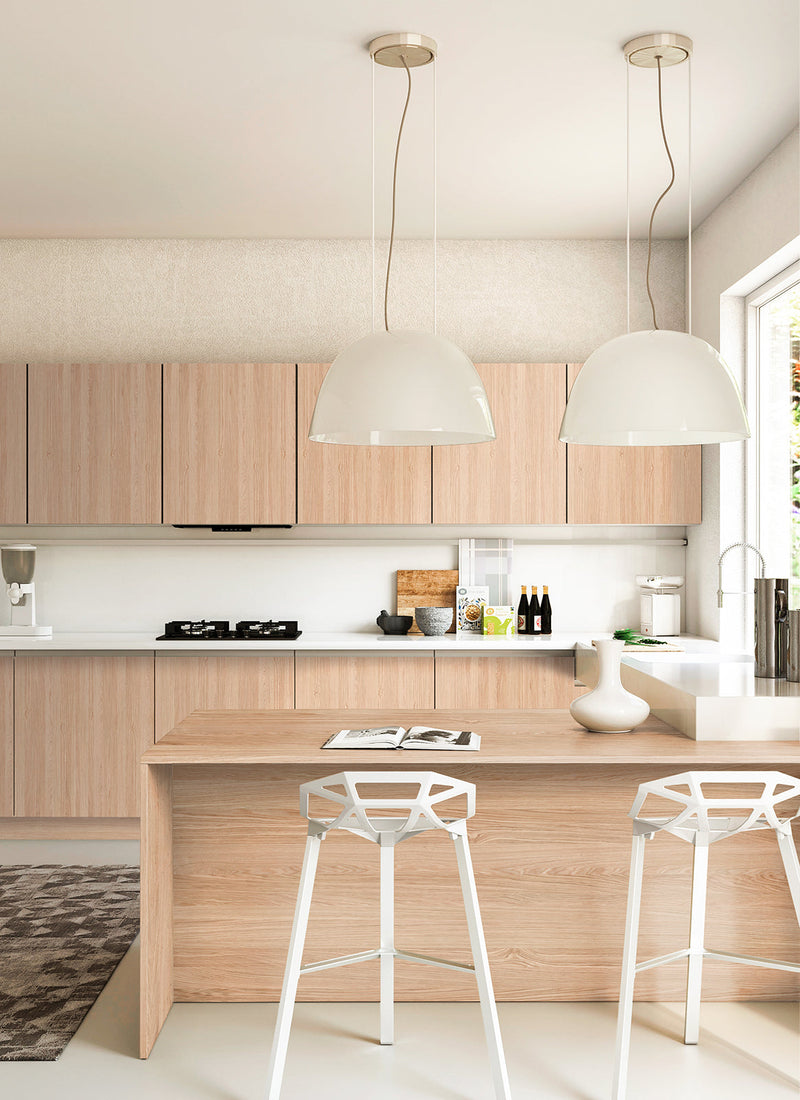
[379, 737]
[428, 737]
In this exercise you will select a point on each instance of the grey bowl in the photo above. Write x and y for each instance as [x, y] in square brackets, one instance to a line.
[434, 620]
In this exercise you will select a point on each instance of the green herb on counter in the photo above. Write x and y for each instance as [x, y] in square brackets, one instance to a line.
[632, 637]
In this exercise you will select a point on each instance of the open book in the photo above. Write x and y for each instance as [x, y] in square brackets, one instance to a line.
[395, 737]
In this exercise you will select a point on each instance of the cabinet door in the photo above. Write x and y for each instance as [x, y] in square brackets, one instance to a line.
[338, 484]
[329, 680]
[633, 484]
[229, 443]
[13, 434]
[211, 681]
[505, 681]
[94, 443]
[82, 724]
[6, 736]
[521, 477]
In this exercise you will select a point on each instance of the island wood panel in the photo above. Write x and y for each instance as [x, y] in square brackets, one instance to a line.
[340, 484]
[94, 443]
[82, 724]
[505, 681]
[520, 477]
[551, 848]
[6, 736]
[229, 443]
[633, 484]
[220, 681]
[328, 680]
[13, 444]
[157, 949]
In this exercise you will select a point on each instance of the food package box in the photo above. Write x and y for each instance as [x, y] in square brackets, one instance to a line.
[470, 602]
[498, 620]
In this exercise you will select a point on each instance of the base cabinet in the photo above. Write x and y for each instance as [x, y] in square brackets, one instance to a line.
[82, 722]
[505, 681]
[330, 680]
[6, 736]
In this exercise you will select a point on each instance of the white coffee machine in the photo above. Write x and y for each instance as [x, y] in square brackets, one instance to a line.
[660, 606]
[18, 563]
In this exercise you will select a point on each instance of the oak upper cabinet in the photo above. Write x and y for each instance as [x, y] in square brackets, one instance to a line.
[13, 434]
[82, 722]
[363, 680]
[633, 484]
[521, 476]
[229, 443]
[94, 443]
[6, 736]
[344, 484]
[505, 681]
[220, 681]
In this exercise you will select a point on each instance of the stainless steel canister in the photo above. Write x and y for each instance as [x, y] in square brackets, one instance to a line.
[793, 647]
[771, 610]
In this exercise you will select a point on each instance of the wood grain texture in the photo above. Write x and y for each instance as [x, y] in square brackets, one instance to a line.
[13, 444]
[521, 476]
[505, 681]
[509, 737]
[357, 680]
[229, 443]
[94, 443]
[69, 828]
[551, 849]
[6, 736]
[426, 588]
[157, 951]
[338, 484]
[82, 723]
[633, 484]
[220, 681]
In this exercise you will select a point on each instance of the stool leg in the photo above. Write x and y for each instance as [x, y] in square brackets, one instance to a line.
[280, 1039]
[387, 944]
[625, 1011]
[791, 866]
[480, 958]
[694, 982]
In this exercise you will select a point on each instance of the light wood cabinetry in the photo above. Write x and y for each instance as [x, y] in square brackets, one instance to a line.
[6, 736]
[82, 723]
[229, 443]
[521, 476]
[505, 681]
[337, 484]
[13, 444]
[220, 681]
[329, 680]
[94, 443]
[646, 485]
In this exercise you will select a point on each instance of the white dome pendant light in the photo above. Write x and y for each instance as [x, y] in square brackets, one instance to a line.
[657, 387]
[396, 388]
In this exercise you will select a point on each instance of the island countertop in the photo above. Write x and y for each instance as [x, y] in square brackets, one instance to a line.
[519, 737]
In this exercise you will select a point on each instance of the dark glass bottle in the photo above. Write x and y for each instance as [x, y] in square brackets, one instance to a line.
[534, 613]
[522, 612]
[547, 612]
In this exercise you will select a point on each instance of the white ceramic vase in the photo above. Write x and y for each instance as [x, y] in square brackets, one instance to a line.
[609, 708]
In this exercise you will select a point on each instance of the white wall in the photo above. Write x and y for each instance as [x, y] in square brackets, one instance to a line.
[758, 221]
[263, 300]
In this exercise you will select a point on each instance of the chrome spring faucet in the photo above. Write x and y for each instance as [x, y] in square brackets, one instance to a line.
[733, 546]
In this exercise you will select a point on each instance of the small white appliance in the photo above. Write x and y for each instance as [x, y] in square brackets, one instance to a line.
[660, 606]
[18, 563]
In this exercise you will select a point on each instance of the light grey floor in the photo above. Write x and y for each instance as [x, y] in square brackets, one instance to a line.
[554, 1051]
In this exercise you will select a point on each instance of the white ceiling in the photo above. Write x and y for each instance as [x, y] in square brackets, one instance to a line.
[251, 118]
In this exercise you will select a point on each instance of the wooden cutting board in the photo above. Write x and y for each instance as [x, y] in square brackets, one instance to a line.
[426, 588]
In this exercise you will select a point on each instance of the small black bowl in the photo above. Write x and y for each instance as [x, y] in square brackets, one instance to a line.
[394, 624]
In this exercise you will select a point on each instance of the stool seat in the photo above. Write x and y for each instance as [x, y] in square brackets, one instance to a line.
[702, 820]
[387, 820]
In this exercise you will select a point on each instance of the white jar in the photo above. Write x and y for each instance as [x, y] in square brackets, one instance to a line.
[609, 708]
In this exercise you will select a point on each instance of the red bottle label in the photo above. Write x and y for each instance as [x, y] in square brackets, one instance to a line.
[537, 622]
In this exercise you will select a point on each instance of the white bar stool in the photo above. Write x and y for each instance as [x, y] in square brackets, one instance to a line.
[702, 820]
[415, 814]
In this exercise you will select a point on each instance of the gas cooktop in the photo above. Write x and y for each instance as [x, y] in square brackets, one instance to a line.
[219, 630]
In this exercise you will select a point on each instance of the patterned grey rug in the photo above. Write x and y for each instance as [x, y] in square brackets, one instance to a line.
[63, 930]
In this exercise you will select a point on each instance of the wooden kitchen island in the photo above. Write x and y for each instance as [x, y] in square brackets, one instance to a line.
[222, 845]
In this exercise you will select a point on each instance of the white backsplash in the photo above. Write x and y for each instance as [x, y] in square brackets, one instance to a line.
[97, 586]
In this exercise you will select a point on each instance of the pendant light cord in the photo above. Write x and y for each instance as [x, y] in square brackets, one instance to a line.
[394, 198]
[666, 190]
